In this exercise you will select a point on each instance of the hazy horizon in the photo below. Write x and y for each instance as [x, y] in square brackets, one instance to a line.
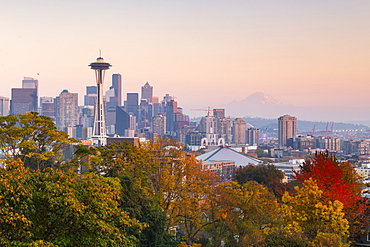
[205, 53]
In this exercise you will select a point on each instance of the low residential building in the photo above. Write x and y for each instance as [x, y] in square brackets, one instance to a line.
[222, 168]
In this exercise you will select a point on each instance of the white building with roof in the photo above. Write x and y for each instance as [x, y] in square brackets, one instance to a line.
[227, 154]
[289, 167]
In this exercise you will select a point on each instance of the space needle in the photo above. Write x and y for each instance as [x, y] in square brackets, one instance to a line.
[99, 131]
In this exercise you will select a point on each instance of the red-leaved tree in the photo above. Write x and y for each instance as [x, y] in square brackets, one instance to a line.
[338, 181]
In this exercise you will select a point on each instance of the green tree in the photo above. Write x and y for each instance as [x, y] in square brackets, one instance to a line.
[33, 138]
[61, 208]
[267, 175]
[261, 153]
[134, 167]
[241, 213]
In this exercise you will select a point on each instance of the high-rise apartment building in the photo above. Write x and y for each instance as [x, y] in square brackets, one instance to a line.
[86, 115]
[253, 136]
[66, 106]
[4, 106]
[239, 128]
[287, 128]
[147, 92]
[159, 125]
[208, 126]
[225, 129]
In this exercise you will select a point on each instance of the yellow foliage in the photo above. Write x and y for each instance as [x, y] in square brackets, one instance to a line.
[306, 212]
[328, 239]
[183, 244]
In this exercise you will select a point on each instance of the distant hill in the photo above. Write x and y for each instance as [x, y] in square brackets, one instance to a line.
[270, 125]
[263, 105]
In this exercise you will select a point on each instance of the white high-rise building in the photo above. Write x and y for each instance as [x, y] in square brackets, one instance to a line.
[159, 124]
[67, 110]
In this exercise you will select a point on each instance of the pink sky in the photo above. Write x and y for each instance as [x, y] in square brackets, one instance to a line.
[206, 53]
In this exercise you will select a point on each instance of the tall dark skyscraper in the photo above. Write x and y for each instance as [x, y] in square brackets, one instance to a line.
[122, 121]
[125, 122]
[147, 92]
[117, 86]
[132, 104]
[25, 99]
[113, 99]
[171, 109]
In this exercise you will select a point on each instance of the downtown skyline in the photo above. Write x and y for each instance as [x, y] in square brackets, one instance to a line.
[205, 53]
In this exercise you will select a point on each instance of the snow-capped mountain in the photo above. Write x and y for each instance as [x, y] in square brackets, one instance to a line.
[257, 104]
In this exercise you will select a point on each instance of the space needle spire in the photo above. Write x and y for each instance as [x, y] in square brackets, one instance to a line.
[99, 130]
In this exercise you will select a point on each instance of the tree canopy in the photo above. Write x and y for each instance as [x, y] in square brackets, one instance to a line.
[337, 181]
[267, 175]
[61, 208]
[33, 138]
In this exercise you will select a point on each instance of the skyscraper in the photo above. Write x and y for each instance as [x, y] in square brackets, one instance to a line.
[29, 82]
[219, 113]
[159, 125]
[99, 130]
[117, 86]
[90, 96]
[239, 128]
[125, 123]
[208, 126]
[113, 99]
[253, 136]
[66, 106]
[287, 128]
[147, 92]
[171, 109]
[225, 129]
[47, 107]
[25, 99]
[4, 106]
[132, 104]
